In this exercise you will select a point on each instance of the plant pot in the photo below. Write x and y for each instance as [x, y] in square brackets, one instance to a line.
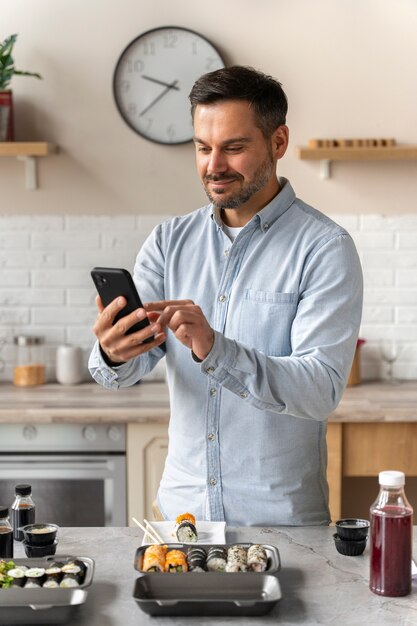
[6, 116]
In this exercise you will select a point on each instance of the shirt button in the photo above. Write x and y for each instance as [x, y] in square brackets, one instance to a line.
[222, 298]
[210, 370]
[210, 437]
[213, 482]
[226, 252]
[213, 391]
[244, 394]
[266, 226]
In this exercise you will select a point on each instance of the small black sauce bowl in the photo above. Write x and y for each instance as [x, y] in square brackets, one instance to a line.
[352, 529]
[33, 552]
[349, 547]
[33, 538]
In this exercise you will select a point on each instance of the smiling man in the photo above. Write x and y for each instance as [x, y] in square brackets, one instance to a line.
[255, 301]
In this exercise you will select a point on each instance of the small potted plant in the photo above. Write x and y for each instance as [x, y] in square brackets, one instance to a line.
[7, 71]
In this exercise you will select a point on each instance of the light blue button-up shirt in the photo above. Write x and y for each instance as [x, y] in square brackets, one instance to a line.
[247, 433]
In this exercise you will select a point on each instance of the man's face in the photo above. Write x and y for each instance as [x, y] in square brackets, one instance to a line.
[234, 160]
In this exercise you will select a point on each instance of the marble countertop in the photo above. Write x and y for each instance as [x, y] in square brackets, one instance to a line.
[319, 586]
[149, 401]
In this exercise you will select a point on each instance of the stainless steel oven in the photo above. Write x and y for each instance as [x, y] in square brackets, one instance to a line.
[77, 471]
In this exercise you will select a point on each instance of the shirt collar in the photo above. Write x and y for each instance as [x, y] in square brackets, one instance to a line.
[271, 212]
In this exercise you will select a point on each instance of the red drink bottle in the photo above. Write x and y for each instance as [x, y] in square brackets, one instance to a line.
[391, 537]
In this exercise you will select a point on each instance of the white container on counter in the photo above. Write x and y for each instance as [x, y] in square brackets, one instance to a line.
[69, 365]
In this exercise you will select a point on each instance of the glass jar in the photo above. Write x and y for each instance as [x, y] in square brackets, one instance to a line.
[29, 369]
[391, 537]
[6, 534]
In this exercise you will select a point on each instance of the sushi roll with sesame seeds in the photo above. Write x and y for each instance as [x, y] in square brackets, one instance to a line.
[216, 559]
[237, 560]
[257, 558]
[185, 528]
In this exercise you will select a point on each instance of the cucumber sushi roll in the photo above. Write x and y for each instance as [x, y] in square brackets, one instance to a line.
[237, 560]
[185, 528]
[257, 558]
[73, 569]
[35, 574]
[18, 574]
[216, 559]
[196, 559]
[33, 583]
[51, 582]
[69, 581]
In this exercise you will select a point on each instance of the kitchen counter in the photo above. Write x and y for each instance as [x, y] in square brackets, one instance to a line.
[319, 586]
[148, 401]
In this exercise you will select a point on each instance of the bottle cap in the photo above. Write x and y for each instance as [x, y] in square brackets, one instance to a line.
[23, 489]
[392, 479]
[4, 511]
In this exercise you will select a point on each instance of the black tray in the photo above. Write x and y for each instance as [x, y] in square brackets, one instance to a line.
[44, 606]
[243, 594]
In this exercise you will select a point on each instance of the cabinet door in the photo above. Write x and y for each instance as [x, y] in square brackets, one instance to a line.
[147, 447]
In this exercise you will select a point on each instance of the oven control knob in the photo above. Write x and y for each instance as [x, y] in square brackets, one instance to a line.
[113, 433]
[30, 432]
[89, 433]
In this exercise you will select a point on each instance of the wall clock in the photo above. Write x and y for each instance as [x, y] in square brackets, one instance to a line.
[153, 77]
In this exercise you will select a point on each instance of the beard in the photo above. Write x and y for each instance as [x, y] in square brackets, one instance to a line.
[247, 190]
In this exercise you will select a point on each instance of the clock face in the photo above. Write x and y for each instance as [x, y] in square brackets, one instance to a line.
[153, 77]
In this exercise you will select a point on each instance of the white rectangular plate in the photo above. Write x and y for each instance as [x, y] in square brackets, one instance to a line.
[208, 532]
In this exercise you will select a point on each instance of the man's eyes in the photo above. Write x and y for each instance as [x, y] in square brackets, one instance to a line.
[228, 149]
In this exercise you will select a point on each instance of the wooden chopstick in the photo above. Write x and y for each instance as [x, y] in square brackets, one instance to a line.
[148, 524]
[148, 532]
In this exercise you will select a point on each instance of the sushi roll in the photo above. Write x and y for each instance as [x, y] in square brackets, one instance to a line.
[196, 559]
[154, 558]
[74, 569]
[257, 558]
[237, 560]
[35, 574]
[69, 581]
[175, 562]
[18, 574]
[51, 582]
[33, 583]
[185, 528]
[216, 559]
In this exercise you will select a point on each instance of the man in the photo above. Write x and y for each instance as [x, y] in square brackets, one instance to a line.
[255, 300]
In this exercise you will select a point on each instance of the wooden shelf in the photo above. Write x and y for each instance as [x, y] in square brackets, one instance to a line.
[27, 151]
[326, 155]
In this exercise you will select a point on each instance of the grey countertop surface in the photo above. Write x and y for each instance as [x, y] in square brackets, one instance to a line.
[319, 586]
[149, 402]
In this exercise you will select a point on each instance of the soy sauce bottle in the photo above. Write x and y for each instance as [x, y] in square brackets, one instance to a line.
[6, 534]
[23, 510]
[391, 538]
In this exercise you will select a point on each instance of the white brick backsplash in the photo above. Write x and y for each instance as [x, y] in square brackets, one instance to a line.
[66, 241]
[377, 314]
[29, 259]
[31, 297]
[14, 240]
[407, 240]
[46, 287]
[14, 278]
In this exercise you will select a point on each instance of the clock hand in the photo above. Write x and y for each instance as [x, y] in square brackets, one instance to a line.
[161, 82]
[172, 86]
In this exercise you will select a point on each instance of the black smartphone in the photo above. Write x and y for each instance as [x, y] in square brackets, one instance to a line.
[112, 282]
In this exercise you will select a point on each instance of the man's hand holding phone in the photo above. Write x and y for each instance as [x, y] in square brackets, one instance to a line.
[118, 346]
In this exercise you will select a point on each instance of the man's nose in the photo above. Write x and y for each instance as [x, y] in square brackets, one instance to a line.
[217, 162]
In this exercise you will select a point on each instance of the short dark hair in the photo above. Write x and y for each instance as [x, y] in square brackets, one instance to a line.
[264, 94]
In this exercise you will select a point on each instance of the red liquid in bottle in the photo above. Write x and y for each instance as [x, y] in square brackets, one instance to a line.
[391, 541]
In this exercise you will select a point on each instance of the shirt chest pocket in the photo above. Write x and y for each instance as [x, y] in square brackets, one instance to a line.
[265, 321]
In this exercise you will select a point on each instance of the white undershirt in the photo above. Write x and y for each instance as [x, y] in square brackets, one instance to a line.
[232, 231]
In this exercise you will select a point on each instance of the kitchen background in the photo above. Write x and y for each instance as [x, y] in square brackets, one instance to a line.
[348, 69]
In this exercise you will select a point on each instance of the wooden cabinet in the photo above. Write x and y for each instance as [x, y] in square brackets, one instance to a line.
[147, 447]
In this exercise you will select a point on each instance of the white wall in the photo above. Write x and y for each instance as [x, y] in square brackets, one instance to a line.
[348, 67]
[46, 289]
